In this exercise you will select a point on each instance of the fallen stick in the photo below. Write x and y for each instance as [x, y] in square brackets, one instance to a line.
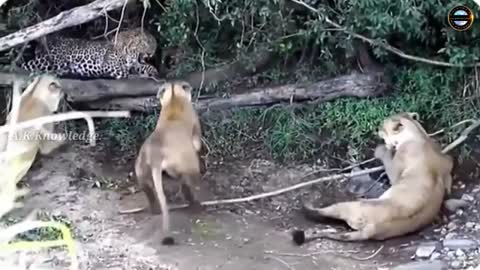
[455, 143]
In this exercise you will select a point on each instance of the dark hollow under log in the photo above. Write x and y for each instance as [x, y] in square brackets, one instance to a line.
[351, 85]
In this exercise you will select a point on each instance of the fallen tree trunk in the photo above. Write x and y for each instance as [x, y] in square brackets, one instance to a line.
[72, 17]
[352, 85]
[92, 90]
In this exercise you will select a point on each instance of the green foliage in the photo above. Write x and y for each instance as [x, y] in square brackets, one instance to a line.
[41, 233]
[128, 133]
[306, 132]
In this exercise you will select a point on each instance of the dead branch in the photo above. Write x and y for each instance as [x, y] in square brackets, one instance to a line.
[65, 19]
[334, 177]
[352, 85]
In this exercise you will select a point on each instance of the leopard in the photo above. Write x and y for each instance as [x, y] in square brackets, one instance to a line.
[120, 56]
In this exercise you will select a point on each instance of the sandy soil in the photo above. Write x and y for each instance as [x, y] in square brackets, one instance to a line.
[89, 188]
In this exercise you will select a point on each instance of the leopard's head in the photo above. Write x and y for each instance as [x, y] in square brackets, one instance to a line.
[136, 43]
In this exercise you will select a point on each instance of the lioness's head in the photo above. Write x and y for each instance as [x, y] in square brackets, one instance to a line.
[48, 89]
[400, 128]
[178, 89]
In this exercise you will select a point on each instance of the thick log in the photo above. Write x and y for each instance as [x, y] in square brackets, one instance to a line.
[65, 19]
[92, 90]
[352, 85]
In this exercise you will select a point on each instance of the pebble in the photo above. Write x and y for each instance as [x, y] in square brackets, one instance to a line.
[424, 251]
[423, 265]
[452, 226]
[456, 264]
[470, 225]
[435, 255]
[468, 198]
[459, 243]
[453, 204]
[450, 235]
[459, 253]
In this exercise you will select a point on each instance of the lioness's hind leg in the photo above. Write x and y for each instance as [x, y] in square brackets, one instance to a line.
[152, 199]
[365, 233]
[336, 211]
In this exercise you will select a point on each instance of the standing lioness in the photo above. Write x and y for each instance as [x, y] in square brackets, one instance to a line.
[419, 175]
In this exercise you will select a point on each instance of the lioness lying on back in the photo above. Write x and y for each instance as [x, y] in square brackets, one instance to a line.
[419, 175]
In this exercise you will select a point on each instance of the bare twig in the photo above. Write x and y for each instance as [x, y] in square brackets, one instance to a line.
[203, 49]
[368, 257]
[120, 21]
[64, 117]
[282, 262]
[334, 177]
[311, 254]
[386, 46]
[463, 136]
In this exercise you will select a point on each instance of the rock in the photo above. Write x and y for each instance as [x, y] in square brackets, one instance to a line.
[425, 251]
[456, 264]
[435, 255]
[459, 253]
[460, 243]
[470, 225]
[424, 265]
[450, 235]
[453, 204]
[468, 198]
[452, 226]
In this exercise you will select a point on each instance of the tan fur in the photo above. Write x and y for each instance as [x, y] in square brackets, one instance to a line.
[419, 174]
[41, 98]
[172, 148]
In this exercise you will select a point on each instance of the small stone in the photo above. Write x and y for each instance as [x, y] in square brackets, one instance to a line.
[470, 225]
[424, 251]
[450, 235]
[456, 264]
[453, 204]
[468, 198]
[423, 265]
[452, 226]
[435, 256]
[459, 243]
[459, 253]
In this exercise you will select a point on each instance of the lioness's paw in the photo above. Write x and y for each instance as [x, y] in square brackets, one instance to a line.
[380, 151]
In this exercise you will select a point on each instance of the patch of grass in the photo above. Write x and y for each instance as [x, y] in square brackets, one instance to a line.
[128, 133]
[43, 233]
[300, 133]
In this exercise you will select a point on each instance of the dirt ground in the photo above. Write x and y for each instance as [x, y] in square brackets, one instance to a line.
[89, 188]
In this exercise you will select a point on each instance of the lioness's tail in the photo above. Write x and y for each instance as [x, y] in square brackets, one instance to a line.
[157, 183]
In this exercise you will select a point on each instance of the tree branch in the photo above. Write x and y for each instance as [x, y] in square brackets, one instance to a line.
[65, 19]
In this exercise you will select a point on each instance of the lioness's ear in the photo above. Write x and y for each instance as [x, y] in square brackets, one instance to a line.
[188, 90]
[161, 90]
[54, 86]
[414, 116]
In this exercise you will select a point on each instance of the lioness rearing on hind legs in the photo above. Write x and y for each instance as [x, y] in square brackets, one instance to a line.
[419, 174]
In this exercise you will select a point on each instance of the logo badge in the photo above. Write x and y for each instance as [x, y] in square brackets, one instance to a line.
[460, 18]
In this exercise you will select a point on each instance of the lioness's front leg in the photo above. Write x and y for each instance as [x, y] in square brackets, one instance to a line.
[50, 141]
[386, 156]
